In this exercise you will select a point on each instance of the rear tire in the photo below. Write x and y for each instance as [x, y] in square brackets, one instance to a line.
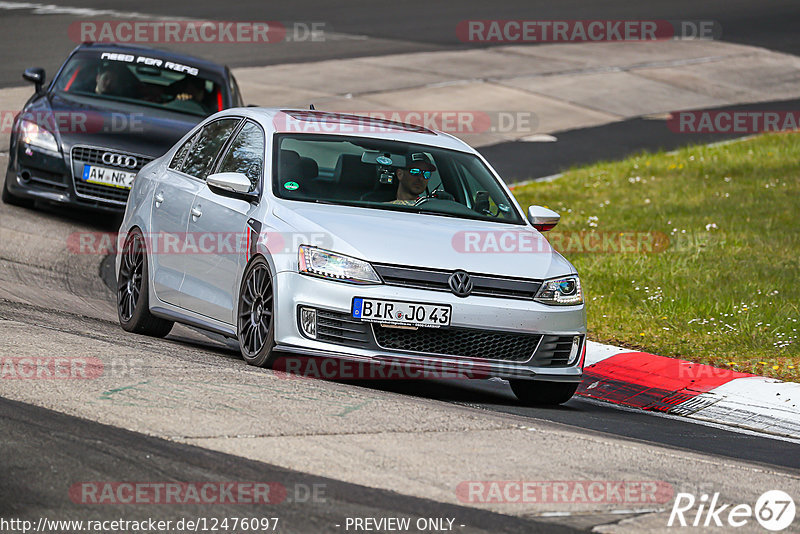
[537, 393]
[133, 307]
[255, 318]
[13, 200]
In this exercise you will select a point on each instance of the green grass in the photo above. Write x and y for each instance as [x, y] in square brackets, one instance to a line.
[726, 289]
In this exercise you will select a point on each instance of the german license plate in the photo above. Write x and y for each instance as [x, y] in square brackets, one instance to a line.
[110, 177]
[396, 312]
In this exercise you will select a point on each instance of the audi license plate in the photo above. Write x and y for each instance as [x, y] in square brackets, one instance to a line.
[105, 176]
[395, 312]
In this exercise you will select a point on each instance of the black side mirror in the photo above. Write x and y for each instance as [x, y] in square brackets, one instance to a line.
[481, 204]
[35, 75]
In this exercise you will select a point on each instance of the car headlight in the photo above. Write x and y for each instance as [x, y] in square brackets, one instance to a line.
[34, 135]
[326, 264]
[564, 291]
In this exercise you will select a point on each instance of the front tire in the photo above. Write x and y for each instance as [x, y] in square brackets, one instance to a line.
[256, 321]
[133, 307]
[536, 393]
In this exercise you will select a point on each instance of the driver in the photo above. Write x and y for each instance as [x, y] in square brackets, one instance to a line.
[413, 179]
[109, 81]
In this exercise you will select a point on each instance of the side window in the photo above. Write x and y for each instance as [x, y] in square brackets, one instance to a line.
[200, 157]
[246, 154]
[180, 155]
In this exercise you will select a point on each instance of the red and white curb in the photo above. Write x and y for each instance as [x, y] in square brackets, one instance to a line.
[696, 391]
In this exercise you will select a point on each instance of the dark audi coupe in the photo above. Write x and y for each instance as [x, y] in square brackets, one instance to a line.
[109, 111]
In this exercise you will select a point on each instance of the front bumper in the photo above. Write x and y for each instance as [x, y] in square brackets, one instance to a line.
[40, 175]
[489, 314]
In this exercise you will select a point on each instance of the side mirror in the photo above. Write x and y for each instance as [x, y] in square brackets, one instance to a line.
[35, 75]
[232, 184]
[543, 219]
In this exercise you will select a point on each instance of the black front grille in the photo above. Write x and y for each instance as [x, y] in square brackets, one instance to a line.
[341, 328]
[464, 342]
[93, 156]
[554, 351]
[437, 280]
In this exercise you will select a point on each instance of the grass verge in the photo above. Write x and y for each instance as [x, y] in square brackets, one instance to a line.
[694, 254]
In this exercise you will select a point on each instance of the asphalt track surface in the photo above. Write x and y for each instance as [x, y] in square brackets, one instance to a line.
[519, 160]
[392, 27]
[362, 29]
[38, 441]
[45, 452]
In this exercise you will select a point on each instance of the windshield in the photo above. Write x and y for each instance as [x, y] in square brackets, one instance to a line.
[390, 175]
[143, 80]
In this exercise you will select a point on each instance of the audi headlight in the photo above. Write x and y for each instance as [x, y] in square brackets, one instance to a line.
[326, 264]
[34, 135]
[560, 292]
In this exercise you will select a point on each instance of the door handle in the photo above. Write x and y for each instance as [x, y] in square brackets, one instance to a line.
[159, 198]
[196, 213]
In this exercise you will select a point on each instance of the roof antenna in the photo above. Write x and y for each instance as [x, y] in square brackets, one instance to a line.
[311, 107]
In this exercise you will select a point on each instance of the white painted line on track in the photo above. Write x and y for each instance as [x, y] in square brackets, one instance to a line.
[52, 9]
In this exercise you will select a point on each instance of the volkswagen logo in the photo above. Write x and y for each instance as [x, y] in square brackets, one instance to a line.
[118, 160]
[460, 284]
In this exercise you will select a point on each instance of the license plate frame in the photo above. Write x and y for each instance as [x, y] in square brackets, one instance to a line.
[385, 311]
[97, 174]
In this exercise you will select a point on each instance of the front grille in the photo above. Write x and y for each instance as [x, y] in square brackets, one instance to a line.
[554, 351]
[437, 280]
[341, 328]
[464, 342]
[93, 156]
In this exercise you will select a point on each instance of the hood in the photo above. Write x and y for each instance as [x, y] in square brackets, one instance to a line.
[108, 124]
[395, 237]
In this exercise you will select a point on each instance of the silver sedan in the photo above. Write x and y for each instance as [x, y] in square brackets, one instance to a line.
[314, 236]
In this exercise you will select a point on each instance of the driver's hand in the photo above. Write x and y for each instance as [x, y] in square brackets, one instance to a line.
[183, 96]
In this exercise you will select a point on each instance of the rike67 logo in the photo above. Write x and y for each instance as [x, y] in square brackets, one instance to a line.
[774, 510]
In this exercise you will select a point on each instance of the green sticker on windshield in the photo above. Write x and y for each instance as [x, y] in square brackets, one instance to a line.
[291, 186]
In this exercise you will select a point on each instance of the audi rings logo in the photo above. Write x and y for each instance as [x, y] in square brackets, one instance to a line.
[118, 160]
[460, 284]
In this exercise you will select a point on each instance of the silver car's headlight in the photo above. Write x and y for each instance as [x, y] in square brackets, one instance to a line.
[564, 291]
[326, 264]
[35, 135]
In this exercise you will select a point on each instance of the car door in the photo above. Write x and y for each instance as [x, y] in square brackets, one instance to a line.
[172, 199]
[172, 202]
[219, 224]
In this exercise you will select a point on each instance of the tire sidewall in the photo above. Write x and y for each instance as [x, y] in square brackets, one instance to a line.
[266, 355]
[142, 304]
